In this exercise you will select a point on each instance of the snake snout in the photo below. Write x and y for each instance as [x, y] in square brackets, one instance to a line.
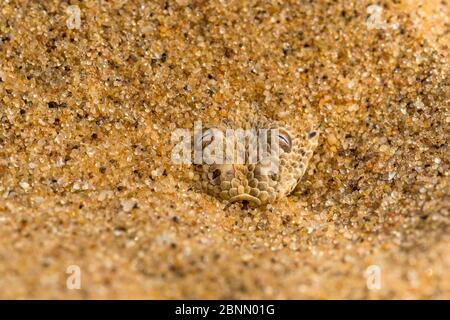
[245, 183]
[245, 199]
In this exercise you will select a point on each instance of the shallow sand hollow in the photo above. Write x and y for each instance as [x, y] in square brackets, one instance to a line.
[86, 179]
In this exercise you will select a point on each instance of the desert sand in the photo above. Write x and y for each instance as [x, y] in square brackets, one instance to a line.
[87, 107]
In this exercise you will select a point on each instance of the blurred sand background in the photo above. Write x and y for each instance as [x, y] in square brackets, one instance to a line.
[86, 116]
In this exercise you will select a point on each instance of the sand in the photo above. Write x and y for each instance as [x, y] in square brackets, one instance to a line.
[87, 108]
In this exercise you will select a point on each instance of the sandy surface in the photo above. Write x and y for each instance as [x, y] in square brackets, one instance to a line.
[85, 174]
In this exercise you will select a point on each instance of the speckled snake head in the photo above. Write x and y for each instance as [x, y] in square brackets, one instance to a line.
[273, 165]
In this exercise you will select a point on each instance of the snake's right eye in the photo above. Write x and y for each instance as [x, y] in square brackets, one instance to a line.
[284, 140]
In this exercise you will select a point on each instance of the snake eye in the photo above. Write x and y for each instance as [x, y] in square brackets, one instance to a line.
[284, 140]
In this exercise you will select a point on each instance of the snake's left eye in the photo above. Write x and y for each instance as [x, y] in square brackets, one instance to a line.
[207, 138]
[284, 140]
[204, 140]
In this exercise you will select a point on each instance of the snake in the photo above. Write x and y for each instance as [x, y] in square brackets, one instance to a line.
[250, 182]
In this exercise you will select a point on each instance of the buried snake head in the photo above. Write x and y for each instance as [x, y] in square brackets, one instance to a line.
[253, 179]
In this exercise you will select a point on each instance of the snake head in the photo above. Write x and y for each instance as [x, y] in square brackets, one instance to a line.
[263, 176]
